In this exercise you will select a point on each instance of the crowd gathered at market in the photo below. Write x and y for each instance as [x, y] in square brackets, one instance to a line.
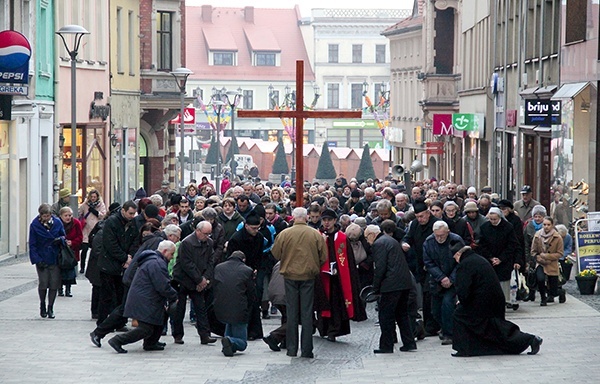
[438, 260]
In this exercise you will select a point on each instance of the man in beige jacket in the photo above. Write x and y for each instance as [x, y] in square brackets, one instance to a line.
[302, 251]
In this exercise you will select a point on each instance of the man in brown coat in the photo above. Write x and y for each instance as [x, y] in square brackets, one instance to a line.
[302, 251]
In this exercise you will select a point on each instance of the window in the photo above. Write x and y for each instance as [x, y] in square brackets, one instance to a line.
[164, 39]
[248, 99]
[131, 48]
[377, 92]
[380, 53]
[223, 58]
[264, 59]
[333, 53]
[333, 96]
[577, 16]
[119, 40]
[356, 53]
[356, 95]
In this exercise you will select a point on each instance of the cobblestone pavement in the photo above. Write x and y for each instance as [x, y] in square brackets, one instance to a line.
[35, 350]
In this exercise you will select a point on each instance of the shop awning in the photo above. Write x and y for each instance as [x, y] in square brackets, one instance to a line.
[528, 92]
[569, 91]
[543, 92]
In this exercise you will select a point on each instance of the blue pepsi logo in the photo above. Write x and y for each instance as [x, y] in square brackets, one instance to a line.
[15, 50]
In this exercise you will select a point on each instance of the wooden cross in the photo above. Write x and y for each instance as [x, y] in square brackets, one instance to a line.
[299, 114]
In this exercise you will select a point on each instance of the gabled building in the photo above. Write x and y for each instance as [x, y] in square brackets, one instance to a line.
[252, 51]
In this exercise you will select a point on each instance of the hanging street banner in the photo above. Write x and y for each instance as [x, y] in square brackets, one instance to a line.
[15, 52]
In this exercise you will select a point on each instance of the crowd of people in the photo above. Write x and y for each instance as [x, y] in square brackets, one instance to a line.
[440, 259]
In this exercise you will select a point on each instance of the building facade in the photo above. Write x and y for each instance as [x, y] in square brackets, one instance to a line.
[27, 133]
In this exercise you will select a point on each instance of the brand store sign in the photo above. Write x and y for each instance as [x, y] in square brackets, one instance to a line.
[542, 112]
[15, 52]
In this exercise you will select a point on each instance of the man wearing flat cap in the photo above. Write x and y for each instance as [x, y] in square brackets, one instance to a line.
[524, 206]
[63, 200]
[337, 287]
[165, 191]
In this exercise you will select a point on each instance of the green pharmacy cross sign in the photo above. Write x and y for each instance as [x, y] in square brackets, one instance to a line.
[466, 121]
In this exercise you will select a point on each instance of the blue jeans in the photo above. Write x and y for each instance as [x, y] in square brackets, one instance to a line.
[442, 308]
[238, 335]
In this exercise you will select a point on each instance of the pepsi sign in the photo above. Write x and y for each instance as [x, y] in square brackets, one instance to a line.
[15, 52]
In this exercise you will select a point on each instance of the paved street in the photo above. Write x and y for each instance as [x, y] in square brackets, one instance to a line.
[36, 350]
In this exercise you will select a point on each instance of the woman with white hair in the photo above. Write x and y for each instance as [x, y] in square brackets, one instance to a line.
[499, 245]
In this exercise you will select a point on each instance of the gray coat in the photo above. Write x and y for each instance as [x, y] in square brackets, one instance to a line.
[150, 289]
[234, 290]
[391, 271]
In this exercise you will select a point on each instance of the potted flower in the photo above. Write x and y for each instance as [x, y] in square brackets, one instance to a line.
[586, 281]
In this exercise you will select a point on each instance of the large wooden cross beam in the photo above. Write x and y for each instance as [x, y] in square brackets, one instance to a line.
[299, 114]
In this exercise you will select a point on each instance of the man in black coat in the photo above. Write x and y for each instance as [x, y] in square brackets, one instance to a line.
[250, 241]
[418, 230]
[393, 281]
[480, 327]
[234, 293]
[441, 268]
[117, 240]
[193, 271]
[150, 290]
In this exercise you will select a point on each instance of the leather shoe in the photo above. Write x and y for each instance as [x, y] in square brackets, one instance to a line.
[272, 343]
[550, 299]
[562, 296]
[308, 355]
[155, 347]
[331, 338]
[43, 311]
[95, 339]
[383, 351]
[178, 340]
[207, 340]
[290, 354]
[50, 312]
[535, 345]
[408, 348]
[227, 347]
[447, 341]
[116, 346]
[459, 354]
[161, 343]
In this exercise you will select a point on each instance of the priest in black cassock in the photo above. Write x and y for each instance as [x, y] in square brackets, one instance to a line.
[337, 286]
[479, 324]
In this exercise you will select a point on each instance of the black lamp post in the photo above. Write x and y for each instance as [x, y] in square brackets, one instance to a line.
[78, 32]
[181, 75]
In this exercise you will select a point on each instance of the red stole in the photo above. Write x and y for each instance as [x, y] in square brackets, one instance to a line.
[341, 256]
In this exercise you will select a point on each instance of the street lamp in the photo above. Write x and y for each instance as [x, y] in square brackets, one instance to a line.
[78, 32]
[218, 104]
[181, 75]
[233, 103]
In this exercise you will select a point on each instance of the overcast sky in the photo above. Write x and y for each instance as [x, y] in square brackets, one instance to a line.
[306, 5]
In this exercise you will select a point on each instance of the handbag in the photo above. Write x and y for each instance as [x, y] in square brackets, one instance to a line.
[561, 276]
[531, 278]
[522, 290]
[66, 258]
